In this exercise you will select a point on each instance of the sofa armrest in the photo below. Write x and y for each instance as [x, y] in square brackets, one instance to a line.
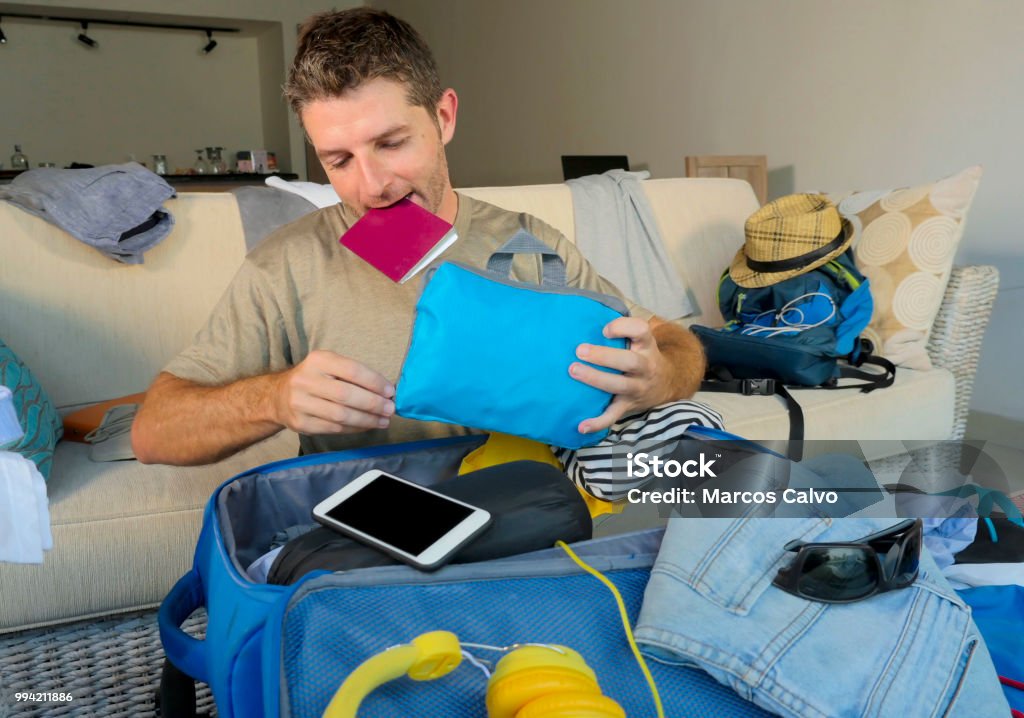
[959, 327]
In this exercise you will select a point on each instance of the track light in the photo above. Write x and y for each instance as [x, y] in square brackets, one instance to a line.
[85, 39]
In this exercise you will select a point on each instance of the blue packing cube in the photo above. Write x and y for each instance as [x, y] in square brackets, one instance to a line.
[492, 353]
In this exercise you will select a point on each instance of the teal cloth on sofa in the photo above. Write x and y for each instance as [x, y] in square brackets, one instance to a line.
[38, 417]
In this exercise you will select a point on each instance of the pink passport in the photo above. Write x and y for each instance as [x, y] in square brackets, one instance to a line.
[399, 240]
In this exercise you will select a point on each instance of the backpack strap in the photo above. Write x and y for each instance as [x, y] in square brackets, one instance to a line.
[720, 380]
[872, 379]
[841, 274]
[724, 382]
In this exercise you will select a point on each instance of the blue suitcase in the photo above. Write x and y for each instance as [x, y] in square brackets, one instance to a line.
[274, 650]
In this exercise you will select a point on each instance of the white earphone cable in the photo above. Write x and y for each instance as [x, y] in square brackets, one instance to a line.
[785, 325]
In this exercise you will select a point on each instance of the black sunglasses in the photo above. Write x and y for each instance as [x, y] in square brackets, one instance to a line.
[846, 572]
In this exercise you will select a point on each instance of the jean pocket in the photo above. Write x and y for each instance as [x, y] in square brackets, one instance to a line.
[958, 679]
[936, 662]
[974, 689]
[730, 562]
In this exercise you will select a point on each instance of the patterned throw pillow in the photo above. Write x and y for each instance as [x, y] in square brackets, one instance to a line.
[39, 419]
[904, 243]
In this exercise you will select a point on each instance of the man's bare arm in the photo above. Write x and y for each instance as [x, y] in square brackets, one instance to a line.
[684, 355]
[185, 423]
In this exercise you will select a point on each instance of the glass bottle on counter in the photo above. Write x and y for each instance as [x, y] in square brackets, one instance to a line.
[160, 164]
[18, 160]
[217, 164]
[200, 167]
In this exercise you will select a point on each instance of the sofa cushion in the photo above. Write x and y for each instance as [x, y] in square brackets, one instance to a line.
[700, 222]
[35, 412]
[918, 406]
[904, 244]
[93, 329]
[123, 533]
[549, 202]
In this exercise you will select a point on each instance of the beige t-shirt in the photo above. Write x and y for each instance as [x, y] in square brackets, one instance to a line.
[300, 290]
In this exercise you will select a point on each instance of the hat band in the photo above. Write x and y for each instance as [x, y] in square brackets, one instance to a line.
[798, 262]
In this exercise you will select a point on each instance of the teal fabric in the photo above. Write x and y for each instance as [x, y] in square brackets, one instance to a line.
[38, 417]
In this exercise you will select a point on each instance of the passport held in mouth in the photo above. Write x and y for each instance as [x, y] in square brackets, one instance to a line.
[399, 240]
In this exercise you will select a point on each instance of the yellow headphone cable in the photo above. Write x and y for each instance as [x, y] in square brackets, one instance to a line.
[625, 622]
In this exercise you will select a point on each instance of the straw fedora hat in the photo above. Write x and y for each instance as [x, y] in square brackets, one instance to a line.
[790, 236]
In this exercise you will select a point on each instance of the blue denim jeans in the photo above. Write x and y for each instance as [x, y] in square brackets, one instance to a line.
[909, 653]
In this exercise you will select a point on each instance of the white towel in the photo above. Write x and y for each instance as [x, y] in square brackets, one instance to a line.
[322, 195]
[24, 511]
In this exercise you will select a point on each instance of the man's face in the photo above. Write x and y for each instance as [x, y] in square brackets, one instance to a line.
[377, 148]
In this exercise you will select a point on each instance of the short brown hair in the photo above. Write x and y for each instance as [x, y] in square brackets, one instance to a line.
[340, 50]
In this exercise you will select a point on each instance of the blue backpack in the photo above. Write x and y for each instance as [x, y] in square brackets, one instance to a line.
[801, 332]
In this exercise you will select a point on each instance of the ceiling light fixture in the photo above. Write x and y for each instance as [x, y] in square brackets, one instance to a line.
[85, 39]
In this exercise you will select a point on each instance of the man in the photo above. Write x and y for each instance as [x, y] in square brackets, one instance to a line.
[310, 337]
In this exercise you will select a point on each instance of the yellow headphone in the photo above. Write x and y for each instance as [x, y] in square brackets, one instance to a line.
[532, 681]
[547, 681]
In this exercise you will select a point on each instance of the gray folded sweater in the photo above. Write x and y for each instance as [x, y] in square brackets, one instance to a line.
[116, 209]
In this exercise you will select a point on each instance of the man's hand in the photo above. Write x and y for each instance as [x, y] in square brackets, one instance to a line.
[331, 394]
[185, 423]
[664, 362]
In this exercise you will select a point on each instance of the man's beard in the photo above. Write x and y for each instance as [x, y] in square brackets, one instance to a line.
[431, 193]
[437, 183]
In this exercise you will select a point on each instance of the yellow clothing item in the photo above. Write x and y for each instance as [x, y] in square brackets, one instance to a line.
[503, 448]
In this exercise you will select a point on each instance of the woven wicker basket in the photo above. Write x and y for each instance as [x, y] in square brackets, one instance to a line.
[110, 667]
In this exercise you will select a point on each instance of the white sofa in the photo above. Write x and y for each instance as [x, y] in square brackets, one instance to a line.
[92, 330]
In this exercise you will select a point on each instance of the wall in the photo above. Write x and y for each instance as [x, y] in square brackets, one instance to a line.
[94, 106]
[839, 95]
[140, 83]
